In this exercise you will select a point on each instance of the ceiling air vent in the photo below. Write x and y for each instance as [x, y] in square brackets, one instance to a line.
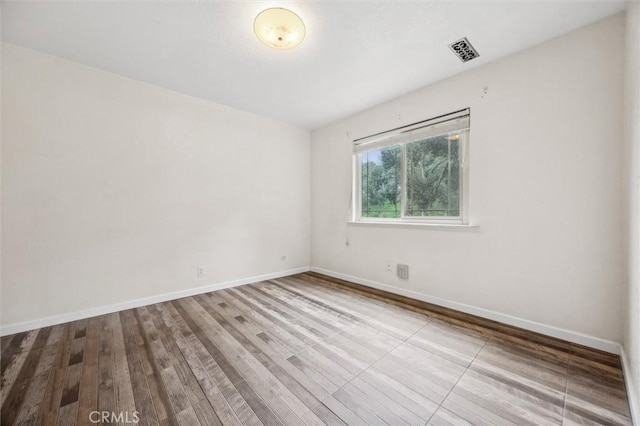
[463, 50]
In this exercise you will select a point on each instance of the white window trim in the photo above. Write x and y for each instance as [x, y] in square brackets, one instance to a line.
[415, 225]
[391, 139]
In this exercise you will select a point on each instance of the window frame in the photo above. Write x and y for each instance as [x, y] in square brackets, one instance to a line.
[462, 219]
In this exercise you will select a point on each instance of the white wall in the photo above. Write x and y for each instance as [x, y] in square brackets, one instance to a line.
[545, 182]
[115, 190]
[631, 341]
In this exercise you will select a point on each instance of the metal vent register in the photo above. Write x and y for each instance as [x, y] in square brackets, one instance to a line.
[464, 50]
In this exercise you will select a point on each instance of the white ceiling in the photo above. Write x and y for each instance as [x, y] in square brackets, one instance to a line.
[356, 54]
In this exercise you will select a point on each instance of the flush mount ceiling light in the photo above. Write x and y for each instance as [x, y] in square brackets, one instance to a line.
[279, 28]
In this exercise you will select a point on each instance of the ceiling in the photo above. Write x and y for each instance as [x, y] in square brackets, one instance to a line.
[356, 54]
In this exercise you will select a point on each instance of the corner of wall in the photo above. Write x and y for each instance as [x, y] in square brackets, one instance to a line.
[631, 219]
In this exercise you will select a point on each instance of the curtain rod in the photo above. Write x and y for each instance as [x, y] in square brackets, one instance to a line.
[410, 125]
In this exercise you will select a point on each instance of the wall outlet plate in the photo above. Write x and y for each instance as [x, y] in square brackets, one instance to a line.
[403, 271]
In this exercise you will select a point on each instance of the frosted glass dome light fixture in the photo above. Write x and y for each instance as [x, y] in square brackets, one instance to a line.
[279, 28]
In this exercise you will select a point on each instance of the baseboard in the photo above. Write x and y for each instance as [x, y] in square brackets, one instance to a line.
[548, 330]
[74, 316]
[632, 396]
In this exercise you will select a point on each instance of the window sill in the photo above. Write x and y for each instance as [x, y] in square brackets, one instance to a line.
[415, 225]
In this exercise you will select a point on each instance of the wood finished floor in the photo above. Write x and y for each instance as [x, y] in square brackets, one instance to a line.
[304, 350]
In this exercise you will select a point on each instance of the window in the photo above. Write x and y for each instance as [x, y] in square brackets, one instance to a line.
[416, 173]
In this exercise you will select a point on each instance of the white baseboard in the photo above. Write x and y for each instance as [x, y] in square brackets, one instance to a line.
[548, 330]
[74, 316]
[632, 396]
[571, 336]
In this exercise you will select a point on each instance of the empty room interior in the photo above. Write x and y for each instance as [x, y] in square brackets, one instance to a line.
[320, 212]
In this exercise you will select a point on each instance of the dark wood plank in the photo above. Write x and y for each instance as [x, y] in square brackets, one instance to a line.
[88, 398]
[35, 392]
[221, 393]
[5, 341]
[202, 409]
[159, 394]
[124, 399]
[140, 388]
[261, 410]
[206, 381]
[106, 394]
[15, 395]
[68, 414]
[50, 406]
[12, 346]
[170, 390]
[13, 357]
[71, 387]
[595, 392]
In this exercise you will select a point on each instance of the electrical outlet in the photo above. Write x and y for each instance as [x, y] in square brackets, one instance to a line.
[200, 271]
[388, 266]
[403, 271]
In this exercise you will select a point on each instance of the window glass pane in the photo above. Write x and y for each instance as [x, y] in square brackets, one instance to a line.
[433, 176]
[381, 182]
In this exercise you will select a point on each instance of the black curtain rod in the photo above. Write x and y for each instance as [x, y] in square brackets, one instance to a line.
[410, 125]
